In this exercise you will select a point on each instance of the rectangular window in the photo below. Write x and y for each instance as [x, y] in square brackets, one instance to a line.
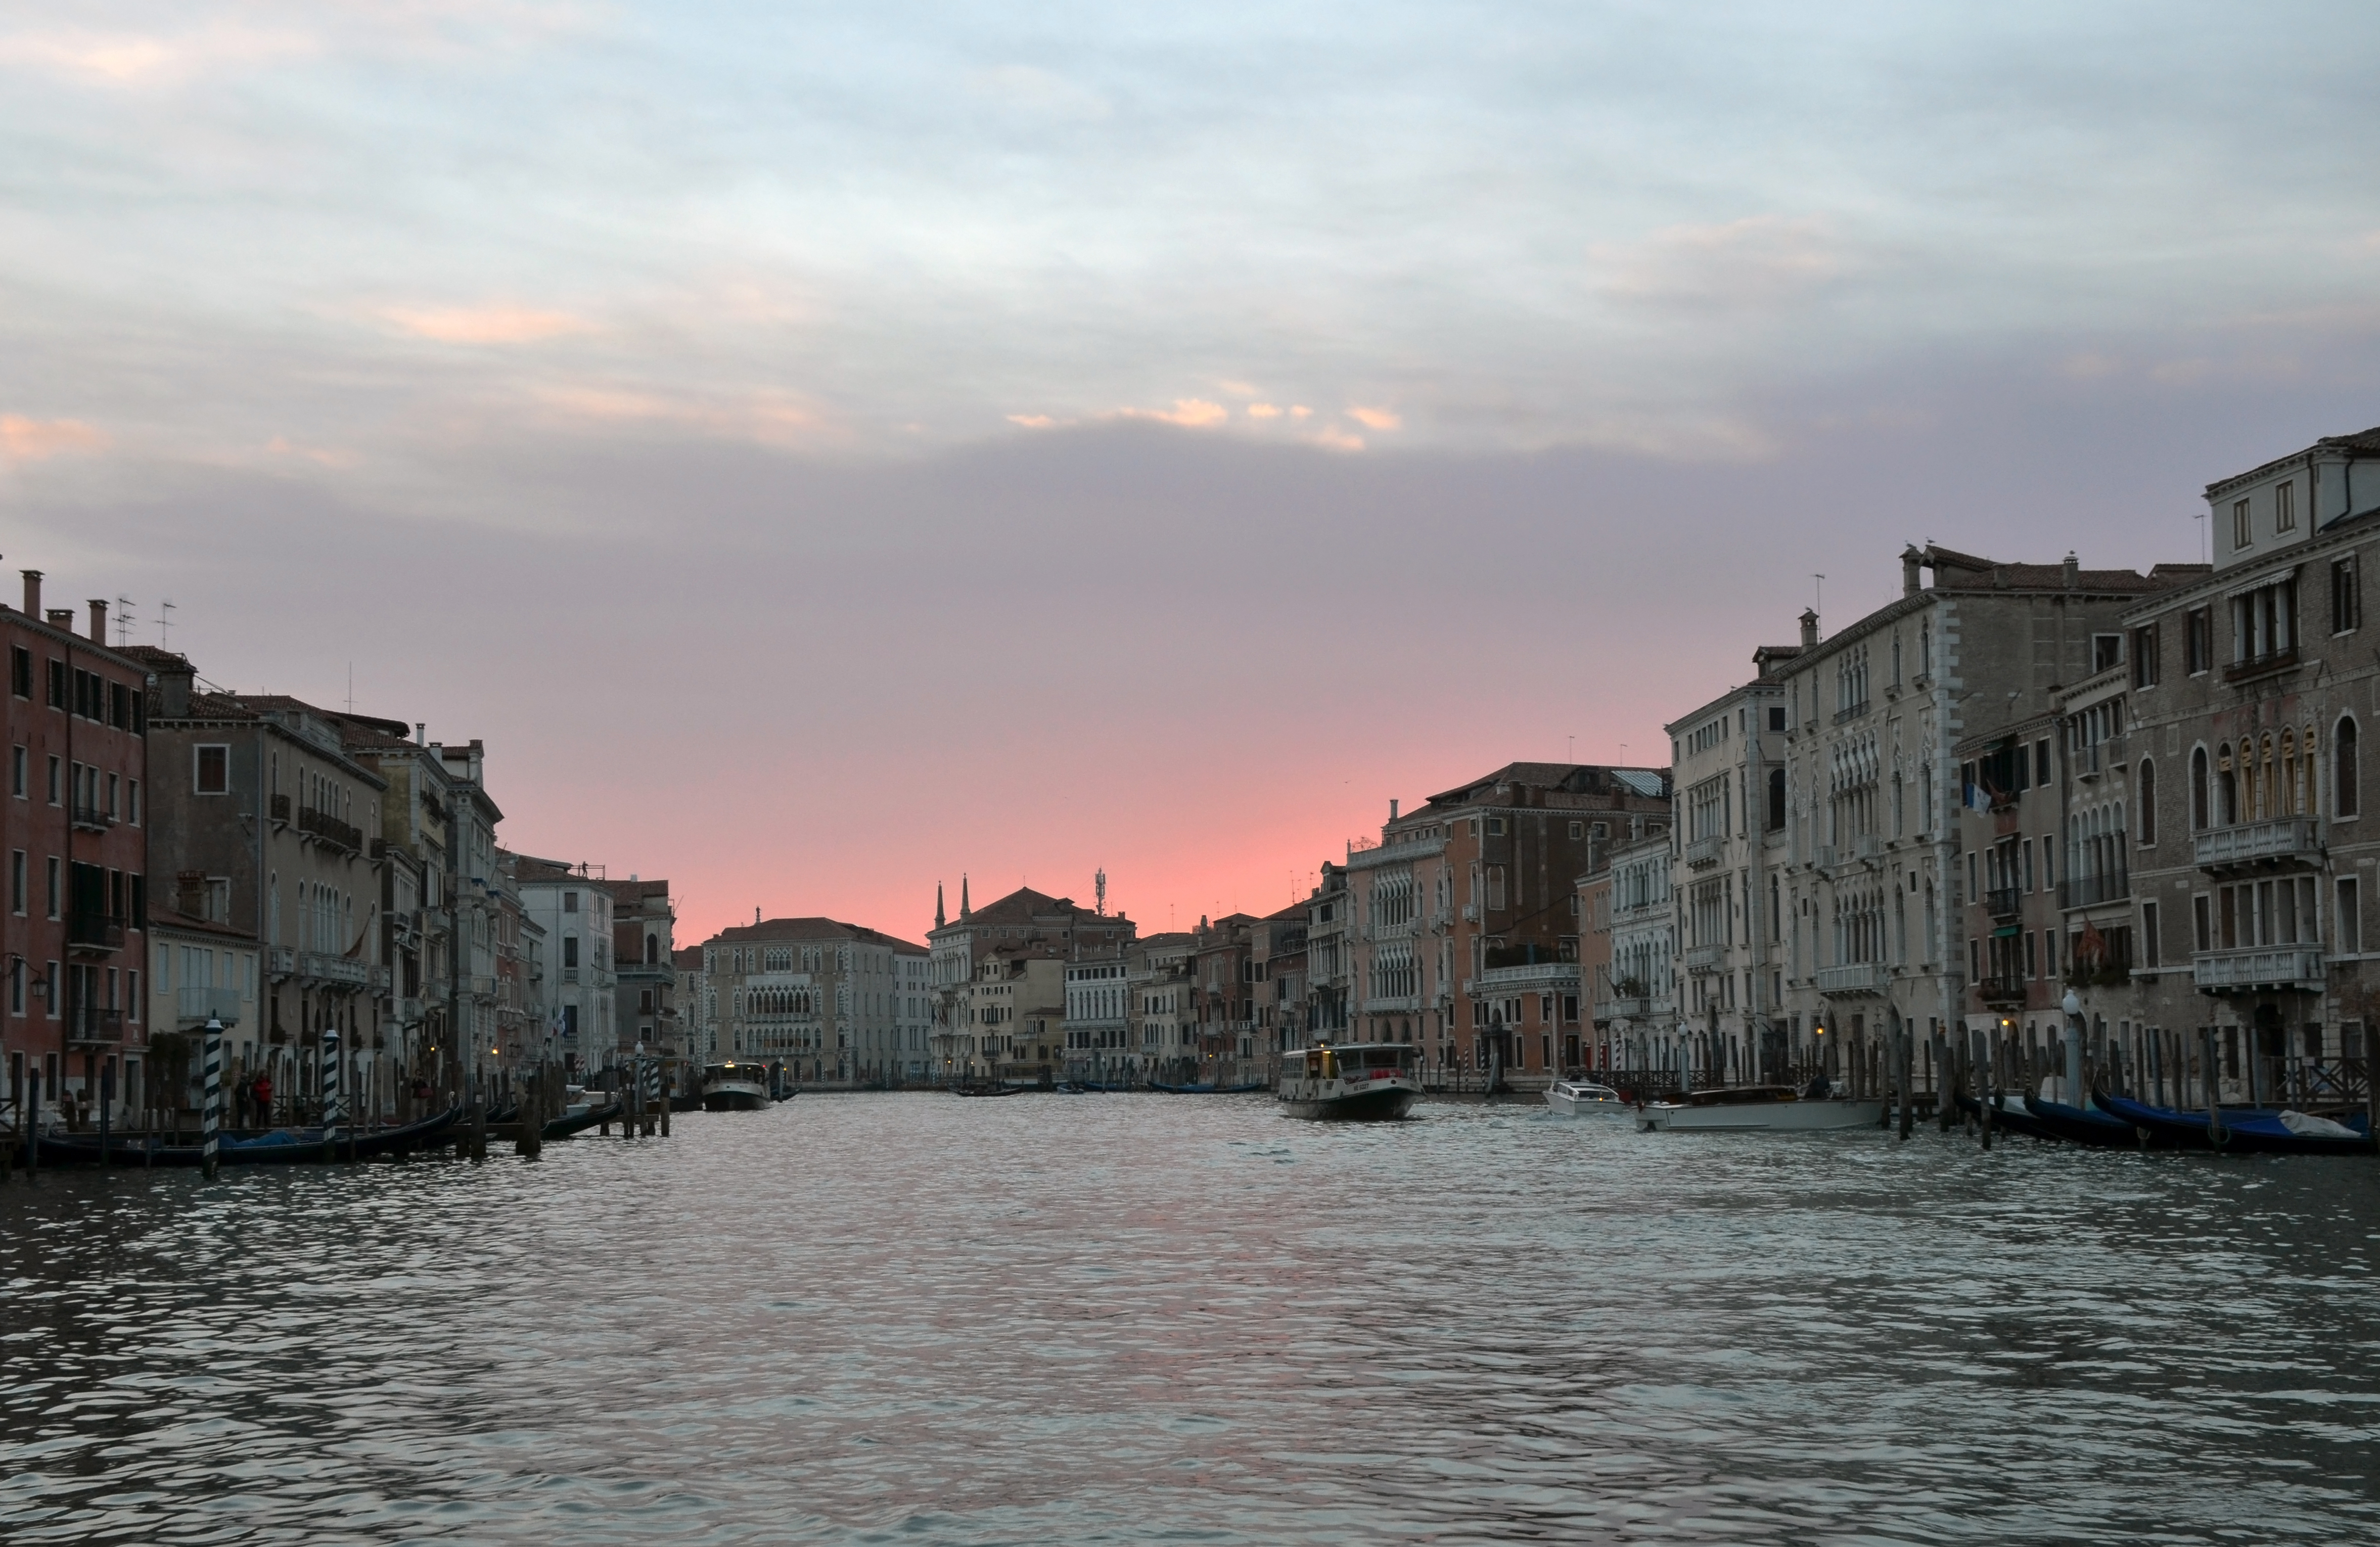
[570, 902]
[2241, 532]
[2349, 916]
[2198, 639]
[2145, 661]
[211, 770]
[57, 684]
[2152, 944]
[20, 772]
[50, 1005]
[2345, 597]
[1495, 827]
[54, 886]
[57, 778]
[16, 899]
[2030, 970]
[2106, 651]
[569, 950]
[20, 671]
[2049, 953]
[2264, 623]
[132, 803]
[1495, 886]
[2285, 507]
[2041, 763]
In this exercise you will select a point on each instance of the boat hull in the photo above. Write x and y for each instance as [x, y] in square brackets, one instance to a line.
[1381, 1102]
[1570, 1105]
[302, 1147]
[1794, 1116]
[734, 1096]
[2242, 1130]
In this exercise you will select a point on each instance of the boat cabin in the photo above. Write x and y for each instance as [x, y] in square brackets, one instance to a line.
[1356, 1060]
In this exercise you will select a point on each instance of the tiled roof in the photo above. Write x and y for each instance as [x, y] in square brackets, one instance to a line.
[1575, 778]
[813, 929]
[1957, 571]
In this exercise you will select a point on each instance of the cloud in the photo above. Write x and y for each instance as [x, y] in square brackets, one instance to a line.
[35, 439]
[1337, 439]
[1035, 89]
[1032, 421]
[1758, 261]
[770, 417]
[1376, 419]
[140, 58]
[1263, 410]
[485, 324]
[1190, 412]
[328, 457]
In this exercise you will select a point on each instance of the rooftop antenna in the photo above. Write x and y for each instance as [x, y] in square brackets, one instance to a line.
[1819, 596]
[2206, 537]
[164, 622]
[351, 687]
[123, 621]
[1100, 889]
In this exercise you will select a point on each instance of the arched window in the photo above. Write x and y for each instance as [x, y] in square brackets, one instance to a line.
[652, 948]
[2144, 802]
[2267, 785]
[2343, 786]
[2198, 813]
[2226, 789]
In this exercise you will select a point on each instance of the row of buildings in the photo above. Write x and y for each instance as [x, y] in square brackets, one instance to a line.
[178, 853]
[2018, 781]
[2015, 779]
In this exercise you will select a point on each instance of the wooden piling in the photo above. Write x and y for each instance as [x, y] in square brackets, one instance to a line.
[1990, 1092]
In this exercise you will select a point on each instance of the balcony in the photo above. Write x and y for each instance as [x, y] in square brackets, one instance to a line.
[339, 971]
[90, 932]
[88, 1026]
[2004, 902]
[1844, 717]
[2091, 890]
[92, 818]
[1859, 978]
[2000, 992]
[330, 830]
[481, 987]
[1525, 976]
[193, 1007]
[2261, 666]
[2259, 843]
[2286, 966]
[279, 807]
[404, 1011]
[1705, 958]
[280, 961]
[1703, 853]
[1640, 1008]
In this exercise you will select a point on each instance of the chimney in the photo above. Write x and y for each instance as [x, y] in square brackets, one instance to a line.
[99, 620]
[2072, 572]
[1809, 627]
[62, 619]
[1392, 810]
[1911, 560]
[33, 593]
[174, 689]
[420, 733]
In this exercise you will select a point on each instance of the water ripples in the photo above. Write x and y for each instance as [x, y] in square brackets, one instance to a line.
[1136, 1319]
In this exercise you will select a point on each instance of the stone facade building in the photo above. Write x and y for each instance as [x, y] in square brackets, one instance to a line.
[815, 997]
[76, 821]
[979, 1016]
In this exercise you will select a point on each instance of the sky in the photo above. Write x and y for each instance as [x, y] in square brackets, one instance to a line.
[827, 450]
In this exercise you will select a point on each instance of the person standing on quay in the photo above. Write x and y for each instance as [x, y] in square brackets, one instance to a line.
[259, 1098]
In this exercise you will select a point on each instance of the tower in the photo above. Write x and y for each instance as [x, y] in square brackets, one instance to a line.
[1100, 890]
[938, 905]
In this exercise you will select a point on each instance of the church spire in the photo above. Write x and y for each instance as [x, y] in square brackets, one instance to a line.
[938, 905]
[963, 909]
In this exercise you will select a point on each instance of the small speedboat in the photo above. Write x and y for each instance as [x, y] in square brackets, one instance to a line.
[734, 1087]
[1582, 1097]
[1759, 1109]
[1360, 1082]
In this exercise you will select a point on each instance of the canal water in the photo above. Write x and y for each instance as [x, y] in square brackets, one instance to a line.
[1122, 1319]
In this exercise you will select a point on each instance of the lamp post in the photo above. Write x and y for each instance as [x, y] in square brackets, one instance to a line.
[2072, 1005]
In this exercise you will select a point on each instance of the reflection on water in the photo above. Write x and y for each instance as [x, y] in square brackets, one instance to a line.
[1121, 1318]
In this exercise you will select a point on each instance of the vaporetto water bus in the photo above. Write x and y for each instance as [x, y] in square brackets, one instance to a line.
[734, 1087]
[1357, 1083]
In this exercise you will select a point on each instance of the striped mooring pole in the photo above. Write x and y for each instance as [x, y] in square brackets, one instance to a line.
[331, 1105]
[211, 1111]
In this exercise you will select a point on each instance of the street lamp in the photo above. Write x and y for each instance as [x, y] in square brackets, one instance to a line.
[2072, 1005]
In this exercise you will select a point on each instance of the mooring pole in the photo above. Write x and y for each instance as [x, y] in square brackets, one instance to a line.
[211, 1111]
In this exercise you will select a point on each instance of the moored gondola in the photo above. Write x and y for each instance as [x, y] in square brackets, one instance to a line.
[278, 1147]
[2244, 1130]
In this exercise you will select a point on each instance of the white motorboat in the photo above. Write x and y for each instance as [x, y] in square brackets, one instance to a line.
[1759, 1109]
[1360, 1082]
[734, 1087]
[1582, 1097]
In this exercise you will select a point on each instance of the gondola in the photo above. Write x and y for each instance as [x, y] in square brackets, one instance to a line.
[2240, 1129]
[279, 1147]
[2080, 1125]
[991, 1089]
[579, 1122]
[2010, 1116]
